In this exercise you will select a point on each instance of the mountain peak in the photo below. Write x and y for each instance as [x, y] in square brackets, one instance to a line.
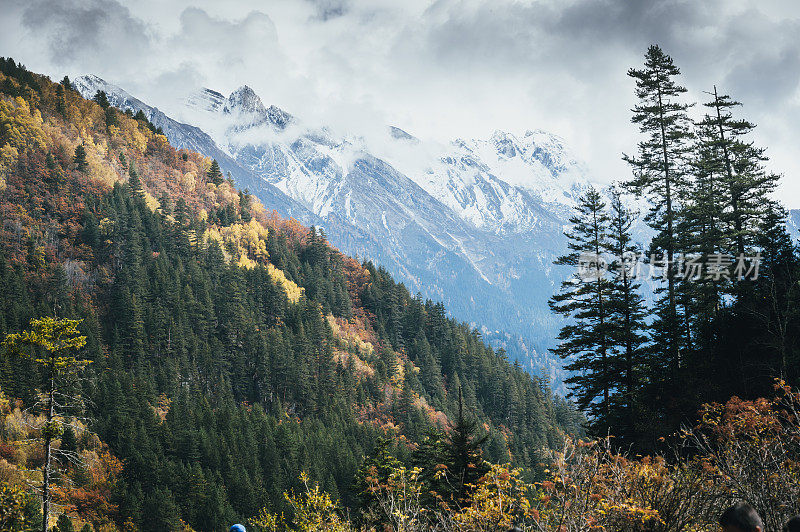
[92, 78]
[278, 116]
[400, 134]
[88, 85]
[244, 100]
[505, 143]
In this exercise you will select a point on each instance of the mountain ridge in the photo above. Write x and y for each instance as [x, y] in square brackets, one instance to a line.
[457, 231]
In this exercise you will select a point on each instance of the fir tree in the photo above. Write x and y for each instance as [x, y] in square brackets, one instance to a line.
[134, 181]
[704, 232]
[748, 182]
[464, 458]
[80, 159]
[245, 203]
[214, 174]
[101, 98]
[586, 341]
[659, 169]
[64, 524]
[627, 313]
[61, 102]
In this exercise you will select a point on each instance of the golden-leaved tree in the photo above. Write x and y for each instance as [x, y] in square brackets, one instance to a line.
[54, 345]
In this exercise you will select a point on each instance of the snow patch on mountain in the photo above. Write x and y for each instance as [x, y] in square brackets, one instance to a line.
[499, 184]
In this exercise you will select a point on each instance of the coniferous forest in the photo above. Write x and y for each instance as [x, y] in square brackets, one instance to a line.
[721, 265]
[178, 357]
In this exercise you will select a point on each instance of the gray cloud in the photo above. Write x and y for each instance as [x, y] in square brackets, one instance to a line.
[437, 68]
[77, 30]
[583, 50]
[329, 9]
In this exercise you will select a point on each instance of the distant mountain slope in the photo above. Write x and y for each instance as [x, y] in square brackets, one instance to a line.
[504, 183]
[477, 227]
[793, 224]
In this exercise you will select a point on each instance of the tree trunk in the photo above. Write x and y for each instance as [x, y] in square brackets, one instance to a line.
[601, 311]
[673, 309]
[48, 442]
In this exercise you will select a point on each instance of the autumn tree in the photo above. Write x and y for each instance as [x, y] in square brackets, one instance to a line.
[14, 507]
[53, 344]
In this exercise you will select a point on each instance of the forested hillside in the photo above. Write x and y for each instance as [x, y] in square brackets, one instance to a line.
[228, 349]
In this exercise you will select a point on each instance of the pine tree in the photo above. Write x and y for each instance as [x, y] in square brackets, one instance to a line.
[80, 159]
[627, 313]
[61, 102]
[774, 306]
[703, 227]
[214, 174]
[658, 171]
[586, 341]
[134, 181]
[375, 469]
[748, 181]
[64, 524]
[464, 459]
[102, 99]
[245, 204]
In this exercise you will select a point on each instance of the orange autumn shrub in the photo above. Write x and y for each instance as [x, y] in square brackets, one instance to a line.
[753, 450]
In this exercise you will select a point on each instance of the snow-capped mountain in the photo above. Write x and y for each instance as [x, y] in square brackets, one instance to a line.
[501, 184]
[793, 224]
[193, 138]
[474, 223]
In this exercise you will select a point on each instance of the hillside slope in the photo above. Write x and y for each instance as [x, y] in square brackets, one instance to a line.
[231, 348]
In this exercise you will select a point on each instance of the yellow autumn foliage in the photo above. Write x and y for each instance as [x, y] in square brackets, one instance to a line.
[151, 202]
[133, 135]
[312, 510]
[19, 128]
[245, 244]
[8, 156]
[188, 181]
[293, 292]
[99, 167]
[349, 339]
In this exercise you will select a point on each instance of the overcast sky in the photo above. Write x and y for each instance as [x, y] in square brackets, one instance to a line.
[438, 69]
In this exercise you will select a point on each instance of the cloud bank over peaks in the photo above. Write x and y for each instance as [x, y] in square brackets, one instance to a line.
[439, 69]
